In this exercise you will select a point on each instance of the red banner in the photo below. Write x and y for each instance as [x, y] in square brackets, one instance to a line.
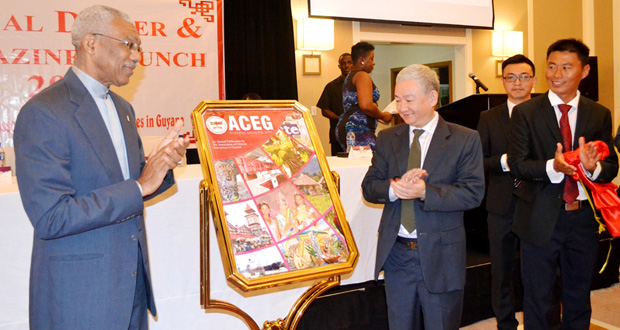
[182, 63]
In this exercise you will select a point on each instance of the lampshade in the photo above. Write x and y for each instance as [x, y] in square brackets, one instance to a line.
[507, 43]
[315, 34]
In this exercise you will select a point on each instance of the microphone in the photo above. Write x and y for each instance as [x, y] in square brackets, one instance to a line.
[478, 82]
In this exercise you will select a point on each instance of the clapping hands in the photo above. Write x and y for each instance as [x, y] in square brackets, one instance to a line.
[166, 156]
[411, 185]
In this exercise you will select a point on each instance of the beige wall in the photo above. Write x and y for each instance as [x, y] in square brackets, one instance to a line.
[509, 15]
[309, 87]
[546, 17]
[388, 57]
[604, 42]
[551, 29]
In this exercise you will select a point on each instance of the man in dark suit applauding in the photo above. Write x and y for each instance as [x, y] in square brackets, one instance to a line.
[427, 172]
[552, 216]
[83, 180]
[518, 78]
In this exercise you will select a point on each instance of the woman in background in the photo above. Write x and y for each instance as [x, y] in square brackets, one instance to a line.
[359, 100]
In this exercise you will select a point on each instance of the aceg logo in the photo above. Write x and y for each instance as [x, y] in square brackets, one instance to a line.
[216, 125]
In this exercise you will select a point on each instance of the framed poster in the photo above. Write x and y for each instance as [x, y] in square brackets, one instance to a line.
[312, 64]
[275, 205]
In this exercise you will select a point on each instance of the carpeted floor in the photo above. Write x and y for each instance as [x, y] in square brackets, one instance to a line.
[605, 312]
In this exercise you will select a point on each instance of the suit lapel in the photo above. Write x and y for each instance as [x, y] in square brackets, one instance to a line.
[548, 116]
[88, 117]
[400, 147]
[129, 133]
[583, 114]
[504, 117]
[437, 146]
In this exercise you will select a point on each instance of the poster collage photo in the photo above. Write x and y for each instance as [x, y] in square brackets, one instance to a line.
[279, 212]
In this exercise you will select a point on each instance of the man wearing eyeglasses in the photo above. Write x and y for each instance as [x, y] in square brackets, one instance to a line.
[518, 79]
[83, 180]
[553, 218]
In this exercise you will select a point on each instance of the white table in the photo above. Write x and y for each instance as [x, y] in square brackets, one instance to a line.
[173, 231]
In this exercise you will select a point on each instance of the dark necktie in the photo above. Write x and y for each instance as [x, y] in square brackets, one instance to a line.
[570, 187]
[407, 212]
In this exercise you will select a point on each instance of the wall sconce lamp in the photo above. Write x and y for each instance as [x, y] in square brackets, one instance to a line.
[314, 34]
[506, 44]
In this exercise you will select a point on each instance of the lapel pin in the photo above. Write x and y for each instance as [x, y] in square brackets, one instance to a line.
[128, 119]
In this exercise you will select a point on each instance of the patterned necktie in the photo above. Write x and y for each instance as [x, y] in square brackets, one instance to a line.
[570, 187]
[407, 212]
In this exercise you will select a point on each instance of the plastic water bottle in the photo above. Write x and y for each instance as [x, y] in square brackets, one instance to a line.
[350, 141]
[2, 159]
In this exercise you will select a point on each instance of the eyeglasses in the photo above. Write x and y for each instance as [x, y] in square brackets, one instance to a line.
[132, 46]
[522, 77]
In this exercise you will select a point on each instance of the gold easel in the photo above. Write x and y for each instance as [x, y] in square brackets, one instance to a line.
[299, 308]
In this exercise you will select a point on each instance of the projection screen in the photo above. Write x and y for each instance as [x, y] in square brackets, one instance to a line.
[466, 13]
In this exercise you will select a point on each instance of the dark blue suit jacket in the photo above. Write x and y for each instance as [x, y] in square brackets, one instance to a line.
[455, 184]
[88, 221]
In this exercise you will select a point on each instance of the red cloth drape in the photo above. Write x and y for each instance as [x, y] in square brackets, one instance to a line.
[603, 194]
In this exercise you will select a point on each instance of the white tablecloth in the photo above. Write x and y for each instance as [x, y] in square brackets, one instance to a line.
[173, 232]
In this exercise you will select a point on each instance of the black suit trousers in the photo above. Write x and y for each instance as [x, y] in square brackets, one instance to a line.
[504, 250]
[573, 248]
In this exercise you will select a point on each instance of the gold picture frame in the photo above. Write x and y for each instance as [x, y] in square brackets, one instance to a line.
[275, 205]
[312, 64]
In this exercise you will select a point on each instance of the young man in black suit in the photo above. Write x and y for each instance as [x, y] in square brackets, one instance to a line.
[518, 78]
[552, 216]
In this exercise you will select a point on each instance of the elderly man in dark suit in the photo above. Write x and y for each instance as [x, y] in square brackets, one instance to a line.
[518, 78]
[83, 179]
[427, 172]
[552, 216]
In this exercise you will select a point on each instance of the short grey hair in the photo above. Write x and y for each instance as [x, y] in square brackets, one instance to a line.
[95, 19]
[423, 75]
